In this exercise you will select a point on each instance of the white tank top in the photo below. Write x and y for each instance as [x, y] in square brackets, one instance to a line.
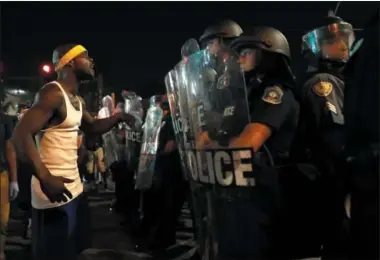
[58, 149]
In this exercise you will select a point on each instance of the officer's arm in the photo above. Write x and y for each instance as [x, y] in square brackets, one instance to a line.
[204, 141]
[90, 125]
[267, 117]
[48, 100]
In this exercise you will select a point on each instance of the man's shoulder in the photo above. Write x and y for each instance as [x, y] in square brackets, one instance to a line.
[81, 100]
[49, 91]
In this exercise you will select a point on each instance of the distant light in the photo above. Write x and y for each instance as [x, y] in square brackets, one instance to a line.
[17, 92]
[46, 68]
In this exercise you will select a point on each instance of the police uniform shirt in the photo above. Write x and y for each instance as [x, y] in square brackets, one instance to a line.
[322, 110]
[6, 128]
[275, 107]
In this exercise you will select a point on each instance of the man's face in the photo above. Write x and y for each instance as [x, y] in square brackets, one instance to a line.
[247, 58]
[84, 65]
[335, 49]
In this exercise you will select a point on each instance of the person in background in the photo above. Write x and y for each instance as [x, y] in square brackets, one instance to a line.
[95, 145]
[327, 48]
[158, 227]
[8, 176]
[24, 176]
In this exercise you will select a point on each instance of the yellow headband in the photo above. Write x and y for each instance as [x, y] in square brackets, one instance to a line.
[69, 56]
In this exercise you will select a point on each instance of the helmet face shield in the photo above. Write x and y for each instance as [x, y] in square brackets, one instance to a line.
[330, 42]
[210, 43]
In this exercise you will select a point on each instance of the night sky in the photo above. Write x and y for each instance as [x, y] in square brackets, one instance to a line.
[135, 44]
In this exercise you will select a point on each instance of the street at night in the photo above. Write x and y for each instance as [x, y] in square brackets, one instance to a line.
[189, 130]
[110, 241]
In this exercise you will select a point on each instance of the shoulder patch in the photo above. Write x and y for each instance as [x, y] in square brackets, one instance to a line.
[323, 88]
[273, 95]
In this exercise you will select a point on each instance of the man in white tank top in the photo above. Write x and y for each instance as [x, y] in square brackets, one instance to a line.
[59, 219]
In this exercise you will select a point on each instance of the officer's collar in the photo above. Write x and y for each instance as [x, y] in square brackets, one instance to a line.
[332, 67]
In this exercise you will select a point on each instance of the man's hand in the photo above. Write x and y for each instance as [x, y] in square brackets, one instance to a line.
[54, 188]
[13, 190]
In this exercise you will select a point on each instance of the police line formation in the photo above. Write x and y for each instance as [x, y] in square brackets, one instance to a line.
[263, 158]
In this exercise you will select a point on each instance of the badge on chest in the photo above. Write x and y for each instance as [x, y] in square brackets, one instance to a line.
[323, 89]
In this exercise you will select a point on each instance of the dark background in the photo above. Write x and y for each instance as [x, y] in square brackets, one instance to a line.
[136, 43]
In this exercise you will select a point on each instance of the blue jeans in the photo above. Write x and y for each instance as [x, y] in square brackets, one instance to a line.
[61, 233]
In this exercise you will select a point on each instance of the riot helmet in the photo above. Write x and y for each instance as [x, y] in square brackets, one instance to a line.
[222, 32]
[331, 41]
[264, 51]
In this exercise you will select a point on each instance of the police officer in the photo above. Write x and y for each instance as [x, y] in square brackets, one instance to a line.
[172, 183]
[160, 202]
[361, 102]
[327, 49]
[265, 59]
[214, 38]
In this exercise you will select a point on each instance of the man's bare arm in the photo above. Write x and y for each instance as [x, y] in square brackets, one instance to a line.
[11, 160]
[90, 125]
[47, 101]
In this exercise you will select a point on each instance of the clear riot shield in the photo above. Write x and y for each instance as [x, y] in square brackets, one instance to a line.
[149, 146]
[176, 91]
[172, 81]
[133, 134]
[110, 144]
[217, 113]
[111, 148]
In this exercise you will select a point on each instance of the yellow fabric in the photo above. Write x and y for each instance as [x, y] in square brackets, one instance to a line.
[4, 202]
[98, 158]
[69, 56]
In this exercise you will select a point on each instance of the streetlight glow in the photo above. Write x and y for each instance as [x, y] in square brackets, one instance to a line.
[46, 68]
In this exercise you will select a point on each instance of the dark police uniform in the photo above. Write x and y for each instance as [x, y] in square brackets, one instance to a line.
[322, 113]
[272, 103]
[173, 185]
[247, 219]
[321, 99]
[126, 195]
